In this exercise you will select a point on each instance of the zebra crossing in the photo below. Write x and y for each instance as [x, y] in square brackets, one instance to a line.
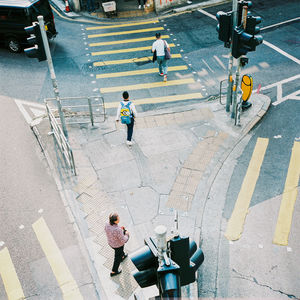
[235, 225]
[121, 53]
[8, 274]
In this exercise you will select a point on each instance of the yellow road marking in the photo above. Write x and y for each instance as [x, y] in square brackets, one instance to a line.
[236, 222]
[125, 50]
[146, 85]
[9, 277]
[289, 196]
[127, 61]
[163, 99]
[121, 25]
[125, 32]
[151, 38]
[55, 258]
[139, 72]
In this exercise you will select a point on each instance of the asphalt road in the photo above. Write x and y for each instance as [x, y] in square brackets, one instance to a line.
[31, 266]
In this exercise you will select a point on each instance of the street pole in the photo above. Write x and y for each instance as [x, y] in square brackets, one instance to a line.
[230, 64]
[237, 74]
[161, 236]
[52, 73]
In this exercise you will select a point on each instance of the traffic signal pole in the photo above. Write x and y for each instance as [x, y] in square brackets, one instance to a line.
[238, 69]
[52, 73]
[230, 64]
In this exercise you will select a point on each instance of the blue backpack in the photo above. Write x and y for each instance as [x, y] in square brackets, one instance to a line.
[126, 114]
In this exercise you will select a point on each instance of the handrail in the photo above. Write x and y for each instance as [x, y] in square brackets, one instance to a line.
[61, 140]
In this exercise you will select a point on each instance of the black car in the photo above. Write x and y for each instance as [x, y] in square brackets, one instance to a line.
[15, 15]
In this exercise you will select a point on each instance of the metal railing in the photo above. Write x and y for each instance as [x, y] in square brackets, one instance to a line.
[80, 110]
[223, 87]
[61, 140]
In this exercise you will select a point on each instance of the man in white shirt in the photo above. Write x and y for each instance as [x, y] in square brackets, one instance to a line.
[159, 46]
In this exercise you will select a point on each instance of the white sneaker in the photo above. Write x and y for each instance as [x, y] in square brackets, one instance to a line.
[140, 6]
[129, 143]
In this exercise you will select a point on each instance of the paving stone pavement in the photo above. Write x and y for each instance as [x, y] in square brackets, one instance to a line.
[175, 151]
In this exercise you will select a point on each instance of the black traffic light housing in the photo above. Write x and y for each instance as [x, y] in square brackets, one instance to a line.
[35, 39]
[224, 27]
[145, 260]
[169, 280]
[243, 42]
[185, 253]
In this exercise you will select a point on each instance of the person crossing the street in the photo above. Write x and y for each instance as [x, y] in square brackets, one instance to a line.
[159, 46]
[127, 113]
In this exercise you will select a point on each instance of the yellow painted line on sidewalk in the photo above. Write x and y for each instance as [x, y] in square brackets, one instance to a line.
[9, 277]
[125, 50]
[236, 222]
[150, 38]
[121, 25]
[289, 197]
[163, 99]
[127, 61]
[125, 32]
[139, 72]
[149, 85]
[55, 258]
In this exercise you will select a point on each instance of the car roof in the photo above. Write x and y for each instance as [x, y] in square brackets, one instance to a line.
[17, 3]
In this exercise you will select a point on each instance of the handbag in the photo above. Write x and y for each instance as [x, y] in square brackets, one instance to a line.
[167, 52]
[154, 56]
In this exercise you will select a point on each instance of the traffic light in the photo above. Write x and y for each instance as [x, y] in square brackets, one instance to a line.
[187, 256]
[243, 42]
[145, 260]
[224, 27]
[169, 281]
[252, 28]
[35, 39]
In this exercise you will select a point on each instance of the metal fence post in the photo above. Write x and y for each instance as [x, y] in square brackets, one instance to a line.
[91, 111]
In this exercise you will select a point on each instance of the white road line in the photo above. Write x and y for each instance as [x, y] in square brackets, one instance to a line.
[296, 60]
[22, 103]
[281, 23]
[292, 96]
[208, 66]
[280, 82]
[207, 14]
[219, 61]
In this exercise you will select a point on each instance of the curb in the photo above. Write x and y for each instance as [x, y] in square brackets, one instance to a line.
[160, 15]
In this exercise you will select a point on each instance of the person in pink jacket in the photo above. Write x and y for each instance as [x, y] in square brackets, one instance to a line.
[117, 237]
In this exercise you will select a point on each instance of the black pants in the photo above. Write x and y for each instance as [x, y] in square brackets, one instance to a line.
[130, 130]
[142, 2]
[119, 253]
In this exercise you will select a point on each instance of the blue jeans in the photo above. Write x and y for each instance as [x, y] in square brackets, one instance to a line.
[130, 130]
[162, 65]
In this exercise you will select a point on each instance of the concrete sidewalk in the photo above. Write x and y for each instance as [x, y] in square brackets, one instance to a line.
[177, 154]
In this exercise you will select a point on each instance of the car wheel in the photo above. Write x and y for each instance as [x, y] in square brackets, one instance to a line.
[14, 45]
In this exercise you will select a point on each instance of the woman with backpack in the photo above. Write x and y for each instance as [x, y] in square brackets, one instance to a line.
[127, 112]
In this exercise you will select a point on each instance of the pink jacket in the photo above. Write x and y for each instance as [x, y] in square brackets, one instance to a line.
[115, 236]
